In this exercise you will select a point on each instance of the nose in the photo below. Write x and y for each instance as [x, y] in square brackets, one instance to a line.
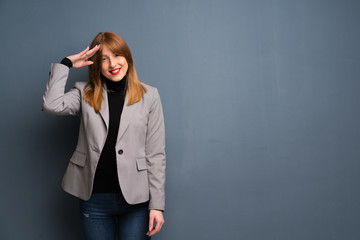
[112, 62]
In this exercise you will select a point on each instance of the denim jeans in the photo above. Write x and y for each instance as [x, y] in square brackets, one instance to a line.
[108, 216]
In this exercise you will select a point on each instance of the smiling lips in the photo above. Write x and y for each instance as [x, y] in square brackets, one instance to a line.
[115, 71]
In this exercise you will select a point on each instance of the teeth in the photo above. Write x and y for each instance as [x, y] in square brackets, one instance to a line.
[115, 70]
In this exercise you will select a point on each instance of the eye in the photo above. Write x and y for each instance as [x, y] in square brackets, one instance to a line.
[104, 59]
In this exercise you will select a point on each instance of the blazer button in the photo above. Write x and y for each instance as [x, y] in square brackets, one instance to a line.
[120, 152]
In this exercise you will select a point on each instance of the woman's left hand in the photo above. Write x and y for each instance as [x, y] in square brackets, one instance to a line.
[155, 216]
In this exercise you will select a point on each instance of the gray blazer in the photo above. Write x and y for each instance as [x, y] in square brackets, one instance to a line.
[140, 145]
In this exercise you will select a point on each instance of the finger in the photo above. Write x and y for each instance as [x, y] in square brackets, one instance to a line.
[86, 54]
[97, 47]
[84, 51]
[91, 52]
[87, 63]
[151, 223]
[158, 225]
[79, 56]
[157, 228]
[151, 233]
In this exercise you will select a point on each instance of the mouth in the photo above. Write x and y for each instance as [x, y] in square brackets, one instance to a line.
[115, 71]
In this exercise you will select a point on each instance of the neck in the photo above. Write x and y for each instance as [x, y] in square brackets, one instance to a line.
[115, 86]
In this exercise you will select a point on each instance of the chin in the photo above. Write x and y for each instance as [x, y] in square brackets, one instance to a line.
[115, 79]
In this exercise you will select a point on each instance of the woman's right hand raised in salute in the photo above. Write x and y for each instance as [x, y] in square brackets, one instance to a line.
[81, 59]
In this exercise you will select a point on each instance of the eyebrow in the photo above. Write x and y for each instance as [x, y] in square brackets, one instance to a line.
[104, 55]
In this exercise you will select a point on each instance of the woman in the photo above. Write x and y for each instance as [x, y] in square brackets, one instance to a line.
[118, 167]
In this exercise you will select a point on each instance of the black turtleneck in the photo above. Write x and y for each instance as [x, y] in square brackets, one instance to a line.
[106, 178]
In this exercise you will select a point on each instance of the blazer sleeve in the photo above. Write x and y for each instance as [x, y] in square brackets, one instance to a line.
[155, 154]
[55, 100]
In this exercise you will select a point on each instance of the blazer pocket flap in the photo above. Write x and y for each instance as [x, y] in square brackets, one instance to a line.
[141, 164]
[78, 158]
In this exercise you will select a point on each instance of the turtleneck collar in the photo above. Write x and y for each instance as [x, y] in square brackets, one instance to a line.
[114, 86]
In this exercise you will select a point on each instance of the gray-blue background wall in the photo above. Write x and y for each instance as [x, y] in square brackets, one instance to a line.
[261, 101]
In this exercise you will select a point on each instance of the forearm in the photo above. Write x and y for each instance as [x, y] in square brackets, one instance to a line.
[55, 100]
[156, 174]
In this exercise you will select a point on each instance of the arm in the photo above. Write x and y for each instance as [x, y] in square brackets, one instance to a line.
[55, 100]
[156, 161]
[155, 154]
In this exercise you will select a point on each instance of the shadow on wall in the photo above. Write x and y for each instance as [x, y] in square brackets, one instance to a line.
[57, 140]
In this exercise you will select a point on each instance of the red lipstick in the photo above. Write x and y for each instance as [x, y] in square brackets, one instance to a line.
[115, 71]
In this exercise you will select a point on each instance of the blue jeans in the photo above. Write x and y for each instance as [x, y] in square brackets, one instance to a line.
[108, 216]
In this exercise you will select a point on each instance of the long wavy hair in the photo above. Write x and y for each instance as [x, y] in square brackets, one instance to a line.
[93, 91]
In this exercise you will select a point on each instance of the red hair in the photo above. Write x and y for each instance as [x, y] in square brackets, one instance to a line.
[94, 88]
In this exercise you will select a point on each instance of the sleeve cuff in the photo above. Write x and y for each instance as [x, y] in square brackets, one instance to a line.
[67, 62]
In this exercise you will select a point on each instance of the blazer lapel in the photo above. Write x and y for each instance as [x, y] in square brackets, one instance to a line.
[126, 117]
[104, 110]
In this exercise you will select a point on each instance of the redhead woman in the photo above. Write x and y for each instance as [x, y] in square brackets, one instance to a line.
[118, 167]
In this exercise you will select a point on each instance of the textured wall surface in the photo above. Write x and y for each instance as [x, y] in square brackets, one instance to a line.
[261, 102]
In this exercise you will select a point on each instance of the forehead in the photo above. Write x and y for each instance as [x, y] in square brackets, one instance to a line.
[105, 50]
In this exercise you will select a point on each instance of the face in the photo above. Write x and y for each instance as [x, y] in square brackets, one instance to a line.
[113, 66]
